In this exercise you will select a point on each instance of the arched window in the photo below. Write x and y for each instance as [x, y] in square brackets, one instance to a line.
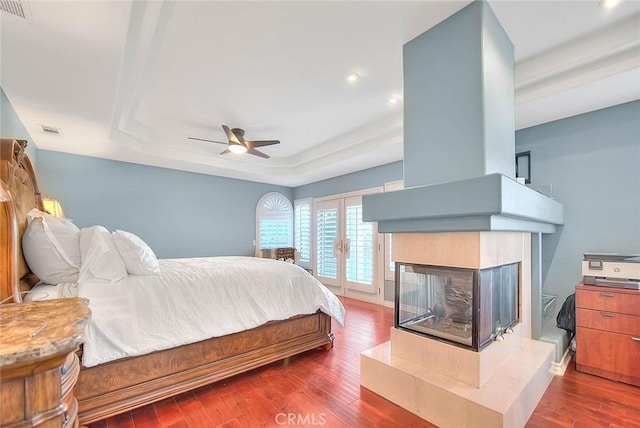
[274, 222]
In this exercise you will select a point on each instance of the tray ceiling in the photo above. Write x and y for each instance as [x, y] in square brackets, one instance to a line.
[132, 80]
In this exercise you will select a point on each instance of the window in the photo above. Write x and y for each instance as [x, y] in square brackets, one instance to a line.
[361, 251]
[274, 221]
[302, 230]
[389, 266]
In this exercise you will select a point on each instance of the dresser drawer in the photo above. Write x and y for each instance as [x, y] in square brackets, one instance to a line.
[611, 355]
[609, 300]
[608, 321]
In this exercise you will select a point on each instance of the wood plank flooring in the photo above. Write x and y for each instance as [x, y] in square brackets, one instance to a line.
[321, 388]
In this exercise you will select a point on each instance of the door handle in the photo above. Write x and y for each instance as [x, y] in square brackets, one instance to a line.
[337, 247]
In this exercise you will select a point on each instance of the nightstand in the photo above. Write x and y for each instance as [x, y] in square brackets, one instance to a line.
[38, 364]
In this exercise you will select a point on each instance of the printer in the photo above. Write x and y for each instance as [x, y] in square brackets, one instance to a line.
[611, 270]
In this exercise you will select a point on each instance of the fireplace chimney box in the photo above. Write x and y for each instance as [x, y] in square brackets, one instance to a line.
[459, 136]
[459, 100]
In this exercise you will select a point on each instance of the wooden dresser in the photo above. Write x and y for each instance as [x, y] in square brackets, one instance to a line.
[38, 364]
[608, 332]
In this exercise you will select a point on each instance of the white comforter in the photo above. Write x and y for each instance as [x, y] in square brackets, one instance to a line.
[195, 299]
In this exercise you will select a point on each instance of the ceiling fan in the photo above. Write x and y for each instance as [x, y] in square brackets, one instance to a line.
[237, 143]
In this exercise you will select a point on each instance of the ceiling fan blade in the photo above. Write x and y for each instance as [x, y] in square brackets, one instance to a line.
[257, 153]
[225, 152]
[262, 143]
[230, 135]
[208, 141]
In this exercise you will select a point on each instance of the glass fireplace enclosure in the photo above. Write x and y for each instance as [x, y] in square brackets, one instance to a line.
[467, 307]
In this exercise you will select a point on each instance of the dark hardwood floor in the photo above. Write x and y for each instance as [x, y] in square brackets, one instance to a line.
[321, 388]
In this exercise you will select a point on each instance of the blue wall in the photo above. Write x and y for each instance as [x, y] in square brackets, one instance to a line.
[179, 214]
[12, 127]
[359, 180]
[592, 162]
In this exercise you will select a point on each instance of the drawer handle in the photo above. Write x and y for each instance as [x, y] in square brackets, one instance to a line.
[607, 295]
[607, 314]
[637, 339]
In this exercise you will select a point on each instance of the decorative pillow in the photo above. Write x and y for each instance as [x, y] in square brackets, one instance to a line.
[100, 257]
[138, 257]
[43, 291]
[51, 247]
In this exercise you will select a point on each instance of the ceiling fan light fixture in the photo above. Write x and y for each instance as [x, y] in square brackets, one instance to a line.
[608, 4]
[237, 148]
[237, 144]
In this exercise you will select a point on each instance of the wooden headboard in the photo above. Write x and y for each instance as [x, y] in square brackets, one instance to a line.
[19, 193]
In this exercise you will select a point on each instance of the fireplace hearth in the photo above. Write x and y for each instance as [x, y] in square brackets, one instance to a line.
[465, 307]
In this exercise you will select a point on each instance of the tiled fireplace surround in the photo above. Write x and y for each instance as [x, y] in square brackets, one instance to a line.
[451, 386]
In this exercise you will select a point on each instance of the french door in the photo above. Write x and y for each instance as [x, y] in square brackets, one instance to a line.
[347, 252]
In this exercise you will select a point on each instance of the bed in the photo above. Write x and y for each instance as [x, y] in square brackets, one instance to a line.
[123, 384]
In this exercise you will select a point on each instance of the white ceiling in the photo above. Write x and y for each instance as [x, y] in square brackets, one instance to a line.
[131, 81]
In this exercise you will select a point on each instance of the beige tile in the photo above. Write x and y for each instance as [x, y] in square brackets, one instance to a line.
[461, 249]
[438, 357]
[529, 362]
[478, 416]
[498, 394]
[395, 385]
[507, 399]
[488, 249]
[441, 407]
[380, 352]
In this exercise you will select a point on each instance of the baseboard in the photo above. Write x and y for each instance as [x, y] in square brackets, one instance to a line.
[389, 304]
[559, 368]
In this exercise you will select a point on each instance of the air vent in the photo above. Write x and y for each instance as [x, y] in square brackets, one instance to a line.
[14, 7]
[50, 130]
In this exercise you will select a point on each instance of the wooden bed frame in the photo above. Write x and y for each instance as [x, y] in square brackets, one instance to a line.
[122, 385]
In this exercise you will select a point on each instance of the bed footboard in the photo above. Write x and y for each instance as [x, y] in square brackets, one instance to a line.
[122, 385]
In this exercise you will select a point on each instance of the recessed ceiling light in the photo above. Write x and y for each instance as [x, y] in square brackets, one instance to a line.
[608, 4]
[353, 77]
[393, 101]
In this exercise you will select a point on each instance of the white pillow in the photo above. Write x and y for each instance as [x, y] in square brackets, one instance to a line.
[51, 247]
[43, 291]
[137, 255]
[100, 257]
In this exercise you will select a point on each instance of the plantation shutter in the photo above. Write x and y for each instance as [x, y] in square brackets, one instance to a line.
[275, 221]
[302, 230]
[359, 263]
[326, 233]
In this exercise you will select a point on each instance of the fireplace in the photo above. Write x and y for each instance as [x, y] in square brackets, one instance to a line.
[465, 307]
[462, 208]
